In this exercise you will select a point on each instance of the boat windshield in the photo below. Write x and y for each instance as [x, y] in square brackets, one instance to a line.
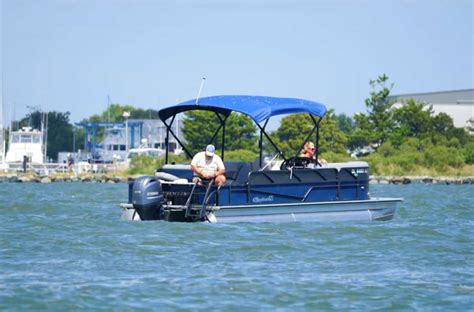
[15, 138]
[26, 138]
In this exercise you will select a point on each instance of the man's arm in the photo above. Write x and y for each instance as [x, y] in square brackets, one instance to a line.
[220, 167]
[201, 173]
[220, 172]
[196, 170]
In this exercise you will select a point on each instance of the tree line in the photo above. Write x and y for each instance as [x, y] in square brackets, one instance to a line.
[404, 139]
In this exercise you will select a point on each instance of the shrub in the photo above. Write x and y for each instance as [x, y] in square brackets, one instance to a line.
[440, 157]
[335, 157]
[468, 152]
[240, 155]
[375, 161]
[148, 165]
[407, 161]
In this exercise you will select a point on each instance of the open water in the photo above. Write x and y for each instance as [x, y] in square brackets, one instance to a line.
[63, 247]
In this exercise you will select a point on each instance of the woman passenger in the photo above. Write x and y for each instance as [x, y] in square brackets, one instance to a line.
[309, 151]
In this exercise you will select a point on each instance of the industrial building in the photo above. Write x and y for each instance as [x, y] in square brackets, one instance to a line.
[458, 104]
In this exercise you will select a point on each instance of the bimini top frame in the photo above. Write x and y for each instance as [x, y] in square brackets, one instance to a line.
[258, 108]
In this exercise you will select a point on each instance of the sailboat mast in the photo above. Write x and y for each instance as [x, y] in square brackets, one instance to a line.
[45, 142]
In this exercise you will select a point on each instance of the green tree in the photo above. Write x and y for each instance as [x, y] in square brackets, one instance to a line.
[199, 127]
[414, 118]
[295, 128]
[345, 123]
[442, 123]
[292, 132]
[379, 123]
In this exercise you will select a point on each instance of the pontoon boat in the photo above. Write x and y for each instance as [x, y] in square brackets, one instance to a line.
[297, 190]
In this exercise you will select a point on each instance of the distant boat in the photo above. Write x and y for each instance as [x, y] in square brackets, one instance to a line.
[145, 150]
[26, 142]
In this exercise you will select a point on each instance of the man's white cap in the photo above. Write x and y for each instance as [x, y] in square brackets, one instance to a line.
[210, 149]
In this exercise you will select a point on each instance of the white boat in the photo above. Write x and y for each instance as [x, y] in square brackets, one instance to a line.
[26, 143]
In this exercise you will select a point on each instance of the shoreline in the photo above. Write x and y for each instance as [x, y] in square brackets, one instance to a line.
[113, 179]
[420, 179]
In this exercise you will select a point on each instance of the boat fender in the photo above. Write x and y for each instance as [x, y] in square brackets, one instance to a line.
[166, 176]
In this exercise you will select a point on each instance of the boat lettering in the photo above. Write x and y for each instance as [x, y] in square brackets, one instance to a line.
[258, 200]
[152, 193]
[356, 172]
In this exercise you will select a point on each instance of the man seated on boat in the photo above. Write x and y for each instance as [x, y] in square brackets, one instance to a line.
[309, 151]
[208, 166]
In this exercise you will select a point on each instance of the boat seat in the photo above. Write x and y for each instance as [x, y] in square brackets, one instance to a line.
[236, 172]
[255, 165]
[316, 175]
[182, 171]
[271, 177]
[298, 176]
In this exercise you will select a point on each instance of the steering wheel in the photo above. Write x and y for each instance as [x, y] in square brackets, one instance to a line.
[297, 162]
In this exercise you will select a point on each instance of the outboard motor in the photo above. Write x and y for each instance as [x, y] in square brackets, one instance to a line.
[147, 198]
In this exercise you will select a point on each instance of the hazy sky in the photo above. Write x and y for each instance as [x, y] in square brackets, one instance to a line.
[69, 55]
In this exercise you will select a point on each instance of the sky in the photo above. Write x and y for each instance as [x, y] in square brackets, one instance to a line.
[72, 55]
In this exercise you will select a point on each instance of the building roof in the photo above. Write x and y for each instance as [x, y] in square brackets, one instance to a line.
[465, 96]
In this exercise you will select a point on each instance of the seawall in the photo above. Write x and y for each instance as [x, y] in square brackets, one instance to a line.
[102, 178]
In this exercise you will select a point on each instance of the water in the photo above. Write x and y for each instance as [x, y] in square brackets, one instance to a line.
[62, 246]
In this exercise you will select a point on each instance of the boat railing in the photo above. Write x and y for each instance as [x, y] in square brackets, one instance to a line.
[206, 199]
[340, 181]
[188, 202]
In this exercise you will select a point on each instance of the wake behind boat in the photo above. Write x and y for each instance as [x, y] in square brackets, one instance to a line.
[295, 189]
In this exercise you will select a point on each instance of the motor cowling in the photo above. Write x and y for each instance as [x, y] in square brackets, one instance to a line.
[147, 198]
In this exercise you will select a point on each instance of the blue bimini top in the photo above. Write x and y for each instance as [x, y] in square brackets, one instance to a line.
[259, 108]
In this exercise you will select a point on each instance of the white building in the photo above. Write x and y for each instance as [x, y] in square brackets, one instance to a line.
[458, 104]
[146, 133]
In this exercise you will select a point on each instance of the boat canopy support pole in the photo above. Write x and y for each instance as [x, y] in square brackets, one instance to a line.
[260, 143]
[223, 138]
[262, 129]
[315, 128]
[317, 137]
[215, 134]
[222, 121]
[168, 128]
[167, 138]
[222, 125]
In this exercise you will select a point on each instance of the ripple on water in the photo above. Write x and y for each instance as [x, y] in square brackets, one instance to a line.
[62, 246]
